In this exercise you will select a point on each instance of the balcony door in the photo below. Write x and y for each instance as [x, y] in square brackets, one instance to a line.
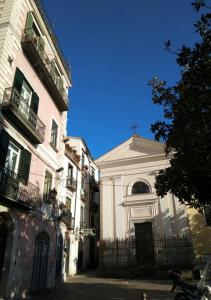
[12, 158]
[26, 97]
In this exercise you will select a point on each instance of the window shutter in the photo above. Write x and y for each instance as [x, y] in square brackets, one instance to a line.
[24, 164]
[34, 102]
[4, 142]
[18, 81]
[29, 20]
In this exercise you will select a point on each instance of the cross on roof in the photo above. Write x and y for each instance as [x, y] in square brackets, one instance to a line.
[134, 127]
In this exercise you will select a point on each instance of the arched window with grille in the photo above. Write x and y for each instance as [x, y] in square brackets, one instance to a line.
[140, 187]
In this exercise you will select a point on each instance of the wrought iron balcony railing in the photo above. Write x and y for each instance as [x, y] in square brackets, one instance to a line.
[66, 217]
[84, 170]
[20, 112]
[33, 46]
[71, 184]
[21, 193]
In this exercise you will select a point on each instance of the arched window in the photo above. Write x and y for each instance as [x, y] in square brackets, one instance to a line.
[140, 187]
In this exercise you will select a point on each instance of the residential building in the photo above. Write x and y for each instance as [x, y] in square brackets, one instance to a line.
[34, 82]
[82, 192]
[130, 209]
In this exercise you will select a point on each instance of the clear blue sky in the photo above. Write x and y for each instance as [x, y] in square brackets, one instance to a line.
[115, 47]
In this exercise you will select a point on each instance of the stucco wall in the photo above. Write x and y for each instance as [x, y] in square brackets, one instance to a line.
[120, 210]
[26, 228]
[201, 233]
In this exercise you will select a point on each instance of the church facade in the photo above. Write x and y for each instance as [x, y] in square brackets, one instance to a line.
[129, 205]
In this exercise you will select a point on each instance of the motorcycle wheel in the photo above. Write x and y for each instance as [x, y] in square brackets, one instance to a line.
[180, 296]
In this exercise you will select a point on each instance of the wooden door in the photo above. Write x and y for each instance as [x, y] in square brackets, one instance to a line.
[144, 243]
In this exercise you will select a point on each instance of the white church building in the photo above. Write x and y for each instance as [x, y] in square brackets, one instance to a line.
[129, 205]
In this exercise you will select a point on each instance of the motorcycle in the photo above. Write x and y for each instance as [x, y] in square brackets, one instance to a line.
[192, 291]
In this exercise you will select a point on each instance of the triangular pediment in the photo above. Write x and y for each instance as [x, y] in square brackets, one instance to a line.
[134, 147]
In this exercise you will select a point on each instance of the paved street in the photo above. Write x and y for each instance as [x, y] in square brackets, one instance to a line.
[89, 287]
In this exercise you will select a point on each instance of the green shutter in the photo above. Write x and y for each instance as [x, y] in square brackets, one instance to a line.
[24, 164]
[34, 102]
[4, 142]
[18, 80]
[29, 20]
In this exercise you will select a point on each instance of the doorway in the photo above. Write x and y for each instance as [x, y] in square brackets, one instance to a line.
[40, 263]
[144, 244]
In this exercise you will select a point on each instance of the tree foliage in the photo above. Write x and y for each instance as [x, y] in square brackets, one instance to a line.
[186, 129]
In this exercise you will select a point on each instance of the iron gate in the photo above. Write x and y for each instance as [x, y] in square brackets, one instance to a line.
[3, 242]
[40, 263]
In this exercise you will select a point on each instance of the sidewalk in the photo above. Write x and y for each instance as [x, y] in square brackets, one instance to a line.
[89, 287]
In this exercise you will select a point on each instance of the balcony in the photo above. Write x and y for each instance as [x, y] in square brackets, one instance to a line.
[66, 218]
[15, 192]
[84, 195]
[72, 154]
[33, 46]
[84, 170]
[15, 107]
[71, 184]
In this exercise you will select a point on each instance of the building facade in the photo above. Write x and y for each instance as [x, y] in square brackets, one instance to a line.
[34, 82]
[200, 228]
[129, 206]
[82, 196]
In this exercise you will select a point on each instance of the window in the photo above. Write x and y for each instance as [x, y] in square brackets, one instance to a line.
[68, 203]
[47, 186]
[82, 183]
[12, 158]
[54, 133]
[70, 171]
[25, 101]
[140, 188]
[24, 94]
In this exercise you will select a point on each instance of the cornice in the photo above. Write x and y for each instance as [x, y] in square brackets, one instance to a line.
[132, 161]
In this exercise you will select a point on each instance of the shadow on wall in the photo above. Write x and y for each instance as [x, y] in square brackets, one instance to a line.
[171, 225]
[17, 280]
[200, 232]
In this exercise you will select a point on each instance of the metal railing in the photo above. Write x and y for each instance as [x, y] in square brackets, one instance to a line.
[29, 35]
[52, 35]
[13, 98]
[168, 251]
[71, 183]
[66, 217]
[14, 187]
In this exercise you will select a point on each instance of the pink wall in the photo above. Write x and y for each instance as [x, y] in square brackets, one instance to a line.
[46, 112]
